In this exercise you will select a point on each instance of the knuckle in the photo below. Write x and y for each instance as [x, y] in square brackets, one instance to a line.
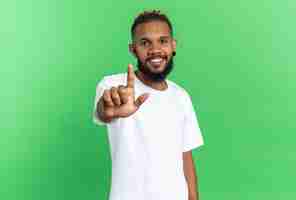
[122, 90]
[106, 94]
[113, 89]
[115, 95]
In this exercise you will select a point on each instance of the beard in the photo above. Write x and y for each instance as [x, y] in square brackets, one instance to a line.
[156, 77]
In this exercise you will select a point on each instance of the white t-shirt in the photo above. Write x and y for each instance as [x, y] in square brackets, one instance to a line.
[146, 147]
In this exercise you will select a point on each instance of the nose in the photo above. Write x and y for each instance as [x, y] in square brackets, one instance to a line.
[154, 49]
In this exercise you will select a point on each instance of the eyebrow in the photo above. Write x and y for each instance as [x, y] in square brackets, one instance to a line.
[143, 38]
[165, 37]
[161, 37]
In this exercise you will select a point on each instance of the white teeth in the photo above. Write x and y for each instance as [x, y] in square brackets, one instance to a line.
[157, 60]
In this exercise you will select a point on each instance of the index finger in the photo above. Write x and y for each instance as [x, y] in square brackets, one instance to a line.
[130, 76]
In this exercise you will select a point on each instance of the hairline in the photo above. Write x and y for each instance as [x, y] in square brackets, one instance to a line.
[152, 20]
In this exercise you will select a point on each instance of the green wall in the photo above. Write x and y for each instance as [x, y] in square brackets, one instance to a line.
[236, 59]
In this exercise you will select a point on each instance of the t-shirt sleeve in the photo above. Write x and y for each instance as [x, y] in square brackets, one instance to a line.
[101, 86]
[192, 137]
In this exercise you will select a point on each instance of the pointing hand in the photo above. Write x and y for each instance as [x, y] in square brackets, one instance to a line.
[120, 101]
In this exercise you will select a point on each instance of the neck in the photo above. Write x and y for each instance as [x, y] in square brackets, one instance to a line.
[161, 85]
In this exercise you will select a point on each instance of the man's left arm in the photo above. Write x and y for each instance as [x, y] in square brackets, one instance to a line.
[190, 175]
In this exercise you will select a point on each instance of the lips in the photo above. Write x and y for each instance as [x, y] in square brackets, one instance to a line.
[156, 61]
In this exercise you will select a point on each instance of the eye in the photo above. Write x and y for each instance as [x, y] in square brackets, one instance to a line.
[144, 43]
[164, 41]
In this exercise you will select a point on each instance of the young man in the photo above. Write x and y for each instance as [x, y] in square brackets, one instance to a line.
[152, 126]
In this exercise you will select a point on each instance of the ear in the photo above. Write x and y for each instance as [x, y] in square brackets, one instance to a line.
[174, 43]
[132, 49]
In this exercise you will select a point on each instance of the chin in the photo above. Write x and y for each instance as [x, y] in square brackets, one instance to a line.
[157, 69]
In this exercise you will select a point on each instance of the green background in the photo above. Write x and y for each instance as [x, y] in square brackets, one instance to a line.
[236, 58]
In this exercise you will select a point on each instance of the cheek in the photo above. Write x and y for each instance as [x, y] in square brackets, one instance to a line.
[168, 50]
[141, 55]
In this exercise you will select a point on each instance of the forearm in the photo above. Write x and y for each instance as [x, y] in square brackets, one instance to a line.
[190, 176]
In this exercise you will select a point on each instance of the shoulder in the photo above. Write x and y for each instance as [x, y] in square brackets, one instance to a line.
[113, 80]
[182, 94]
[179, 90]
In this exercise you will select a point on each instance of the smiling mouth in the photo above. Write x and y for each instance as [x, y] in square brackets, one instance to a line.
[156, 62]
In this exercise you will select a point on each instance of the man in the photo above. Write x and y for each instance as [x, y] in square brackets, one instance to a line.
[152, 127]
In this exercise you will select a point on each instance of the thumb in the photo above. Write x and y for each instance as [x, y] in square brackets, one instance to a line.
[141, 99]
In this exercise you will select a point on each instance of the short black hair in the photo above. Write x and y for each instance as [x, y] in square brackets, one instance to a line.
[148, 16]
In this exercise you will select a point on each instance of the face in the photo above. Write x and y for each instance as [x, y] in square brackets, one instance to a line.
[153, 47]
